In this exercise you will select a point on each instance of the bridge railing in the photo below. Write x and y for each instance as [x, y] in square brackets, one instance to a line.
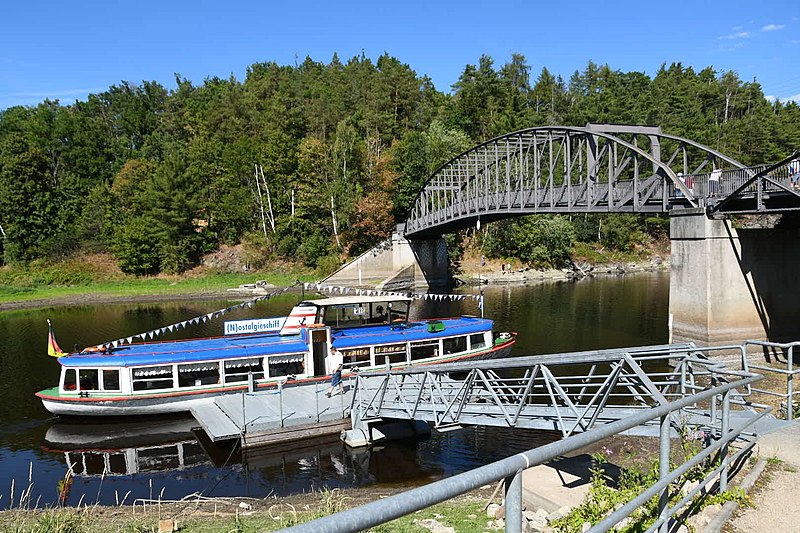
[510, 469]
[731, 180]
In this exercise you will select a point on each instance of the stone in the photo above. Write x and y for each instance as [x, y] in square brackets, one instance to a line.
[166, 526]
[491, 510]
[434, 526]
[536, 521]
[586, 526]
[698, 522]
[501, 512]
[245, 506]
[560, 513]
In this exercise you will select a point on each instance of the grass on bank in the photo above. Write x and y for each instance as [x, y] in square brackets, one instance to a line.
[96, 275]
[464, 514]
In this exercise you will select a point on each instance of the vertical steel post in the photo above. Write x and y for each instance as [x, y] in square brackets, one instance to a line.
[713, 400]
[513, 493]
[725, 428]
[790, 384]
[663, 472]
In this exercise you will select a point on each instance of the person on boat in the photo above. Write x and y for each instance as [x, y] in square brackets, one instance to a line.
[334, 363]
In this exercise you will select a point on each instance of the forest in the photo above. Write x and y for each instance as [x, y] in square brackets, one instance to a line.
[316, 162]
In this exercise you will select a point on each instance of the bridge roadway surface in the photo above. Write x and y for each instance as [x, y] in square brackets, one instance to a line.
[563, 392]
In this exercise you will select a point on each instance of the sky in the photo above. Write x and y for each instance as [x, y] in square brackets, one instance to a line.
[66, 50]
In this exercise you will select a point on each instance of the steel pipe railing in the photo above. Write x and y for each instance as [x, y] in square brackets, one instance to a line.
[379, 512]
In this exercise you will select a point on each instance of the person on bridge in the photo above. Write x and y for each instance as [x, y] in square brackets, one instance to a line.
[713, 181]
[794, 173]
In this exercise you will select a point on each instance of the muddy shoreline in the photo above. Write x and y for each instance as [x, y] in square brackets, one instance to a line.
[92, 298]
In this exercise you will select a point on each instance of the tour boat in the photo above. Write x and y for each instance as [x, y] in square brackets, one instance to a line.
[371, 332]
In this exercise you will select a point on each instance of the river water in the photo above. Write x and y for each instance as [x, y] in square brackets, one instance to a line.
[159, 457]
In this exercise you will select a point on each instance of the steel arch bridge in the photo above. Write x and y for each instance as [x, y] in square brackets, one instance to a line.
[600, 168]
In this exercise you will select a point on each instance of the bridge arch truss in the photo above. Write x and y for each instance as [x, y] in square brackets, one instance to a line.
[561, 169]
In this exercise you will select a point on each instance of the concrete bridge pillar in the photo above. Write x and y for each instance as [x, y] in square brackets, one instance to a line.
[397, 264]
[728, 284]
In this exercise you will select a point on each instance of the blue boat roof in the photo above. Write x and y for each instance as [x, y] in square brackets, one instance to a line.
[191, 350]
[239, 346]
[408, 332]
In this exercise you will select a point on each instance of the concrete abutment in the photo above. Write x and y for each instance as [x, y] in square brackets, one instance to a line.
[398, 263]
[728, 284]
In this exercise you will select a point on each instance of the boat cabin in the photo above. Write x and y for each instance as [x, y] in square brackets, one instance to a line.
[347, 312]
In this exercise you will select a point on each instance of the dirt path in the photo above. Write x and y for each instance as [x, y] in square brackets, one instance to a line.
[774, 505]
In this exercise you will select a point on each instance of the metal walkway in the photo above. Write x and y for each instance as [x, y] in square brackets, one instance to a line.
[569, 393]
[278, 415]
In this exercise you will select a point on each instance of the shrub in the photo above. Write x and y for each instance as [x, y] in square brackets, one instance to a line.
[136, 249]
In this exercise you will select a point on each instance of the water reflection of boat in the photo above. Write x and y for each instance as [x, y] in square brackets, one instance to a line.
[119, 449]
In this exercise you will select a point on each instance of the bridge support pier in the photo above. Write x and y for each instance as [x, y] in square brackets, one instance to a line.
[728, 284]
[398, 263]
[366, 432]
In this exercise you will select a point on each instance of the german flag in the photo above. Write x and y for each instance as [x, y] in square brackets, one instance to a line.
[53, 349]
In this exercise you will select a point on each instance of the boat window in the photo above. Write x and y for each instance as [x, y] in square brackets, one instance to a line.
[198, 374]
[88, 379]
[454, 345]
[477, 341]
[343, 316]
[152, 377]
[424, 349]
[398, 311]
[395, 352]
[110, 379]
[355, 356]
[236, 370]
[284, 365]
[71, 379]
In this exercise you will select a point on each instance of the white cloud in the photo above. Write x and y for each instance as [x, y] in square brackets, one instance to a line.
[772, 98]
[737, 35]
[772, 27]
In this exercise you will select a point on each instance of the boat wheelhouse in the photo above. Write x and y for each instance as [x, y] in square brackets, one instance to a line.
[173, 376]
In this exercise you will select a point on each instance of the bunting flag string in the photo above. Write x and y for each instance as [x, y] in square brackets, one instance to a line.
[334, 289]
[148, 335]
[318, 287]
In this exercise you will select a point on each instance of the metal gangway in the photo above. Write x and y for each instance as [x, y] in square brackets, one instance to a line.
[668, 391]
[570, 393]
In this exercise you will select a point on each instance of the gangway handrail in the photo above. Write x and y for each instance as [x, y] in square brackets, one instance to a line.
[510, 469]
[790, 372]
[589, 356]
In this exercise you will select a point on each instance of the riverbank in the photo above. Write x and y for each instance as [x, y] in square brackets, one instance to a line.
[95, 279]
[496, 272]
[198, 514]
